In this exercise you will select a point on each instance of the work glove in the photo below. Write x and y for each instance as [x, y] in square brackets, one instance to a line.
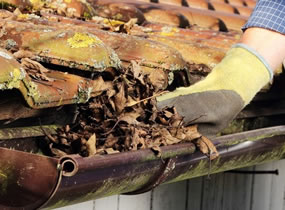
[215, 101]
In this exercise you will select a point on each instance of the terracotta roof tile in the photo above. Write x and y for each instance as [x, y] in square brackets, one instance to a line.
[62, 43]
[56, 54]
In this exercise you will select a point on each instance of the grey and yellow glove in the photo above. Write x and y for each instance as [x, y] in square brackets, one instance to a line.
[215, 101]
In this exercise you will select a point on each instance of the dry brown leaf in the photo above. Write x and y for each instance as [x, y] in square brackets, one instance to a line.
[168, 137]
[202, 146]
[130, 117]
[130, 24]
[129, 104]
[137, 140]
[111, 151]
[167, 114]
[191, 133]
[157, 150]
[112, 103]
[159, 79]
[35, 69]
[126, 27]
[138, 73]
[131, 101]
[207, 148]
[23, 54]
[100, 151]
[128, 141]
[57, 152]
[176, 120]
[101, 86]
[91, 145]
[157, 141]
[120, 99]
[17, 12]
[111, 141]
[111, 92]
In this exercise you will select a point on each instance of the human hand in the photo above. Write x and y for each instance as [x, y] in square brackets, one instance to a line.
[214, 102]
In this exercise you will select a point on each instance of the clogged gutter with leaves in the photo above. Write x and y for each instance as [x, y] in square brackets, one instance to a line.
[79, 81]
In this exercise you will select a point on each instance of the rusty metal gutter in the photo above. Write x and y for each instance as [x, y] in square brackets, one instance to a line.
[48, 182]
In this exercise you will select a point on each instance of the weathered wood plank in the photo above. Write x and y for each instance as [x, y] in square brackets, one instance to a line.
[135, 202]
[213, 192]
[170, 197]
[195, 193]
[262, 189]
[223, 191]
[108, 203]
[237, 191]
[277, 186]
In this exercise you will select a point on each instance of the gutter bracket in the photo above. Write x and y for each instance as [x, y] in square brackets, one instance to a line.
[169, 166]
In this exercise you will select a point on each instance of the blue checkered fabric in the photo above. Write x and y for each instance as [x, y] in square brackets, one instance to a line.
[269, 14]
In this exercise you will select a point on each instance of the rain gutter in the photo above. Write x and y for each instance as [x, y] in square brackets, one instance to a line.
[33, 181]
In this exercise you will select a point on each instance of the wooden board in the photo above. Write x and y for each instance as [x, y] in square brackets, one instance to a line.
[135, 202]
[170, 197]
[224, 191]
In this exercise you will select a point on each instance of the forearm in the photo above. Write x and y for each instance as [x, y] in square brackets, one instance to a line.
[269, 44]
[264, 31]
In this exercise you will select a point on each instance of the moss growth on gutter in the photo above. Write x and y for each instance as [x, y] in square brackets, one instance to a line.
[203, 167]
[109, 187]
[170, 153]
[240, 125]
[6, 177]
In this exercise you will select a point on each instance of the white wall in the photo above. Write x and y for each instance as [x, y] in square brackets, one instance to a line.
[222, 191]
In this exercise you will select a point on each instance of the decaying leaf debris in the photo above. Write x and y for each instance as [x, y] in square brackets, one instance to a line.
[124, 118]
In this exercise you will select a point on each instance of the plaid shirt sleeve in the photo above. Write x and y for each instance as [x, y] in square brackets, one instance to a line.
[269, 14]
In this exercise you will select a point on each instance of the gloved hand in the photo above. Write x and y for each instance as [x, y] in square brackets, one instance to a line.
[215, 101]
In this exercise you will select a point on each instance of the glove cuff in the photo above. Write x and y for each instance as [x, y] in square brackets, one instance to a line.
[257, 55]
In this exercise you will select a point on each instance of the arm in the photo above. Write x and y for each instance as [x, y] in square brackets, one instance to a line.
[232, 84]
[269, 44]
[265, 29]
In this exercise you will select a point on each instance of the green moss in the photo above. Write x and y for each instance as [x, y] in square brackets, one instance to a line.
[204, 167]
[7, 5]
[115, 60]
[13, 78]
[118, 16]
[6, 177]
[23, 132]
[83, 95]
[108, 188]
[87, 15]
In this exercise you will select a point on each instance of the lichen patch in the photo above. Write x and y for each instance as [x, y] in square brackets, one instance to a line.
[80, 40]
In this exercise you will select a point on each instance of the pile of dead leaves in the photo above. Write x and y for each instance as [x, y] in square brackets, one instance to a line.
[125, 118]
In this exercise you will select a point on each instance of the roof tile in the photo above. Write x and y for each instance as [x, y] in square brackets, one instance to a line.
[79, 44]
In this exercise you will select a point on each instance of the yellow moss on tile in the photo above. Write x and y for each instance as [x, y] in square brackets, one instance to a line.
[23, 16]
[112, 22]
[80, 40]
[169, 31]
[37, 4]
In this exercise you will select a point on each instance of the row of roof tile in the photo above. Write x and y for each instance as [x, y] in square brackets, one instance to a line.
[85, 36]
